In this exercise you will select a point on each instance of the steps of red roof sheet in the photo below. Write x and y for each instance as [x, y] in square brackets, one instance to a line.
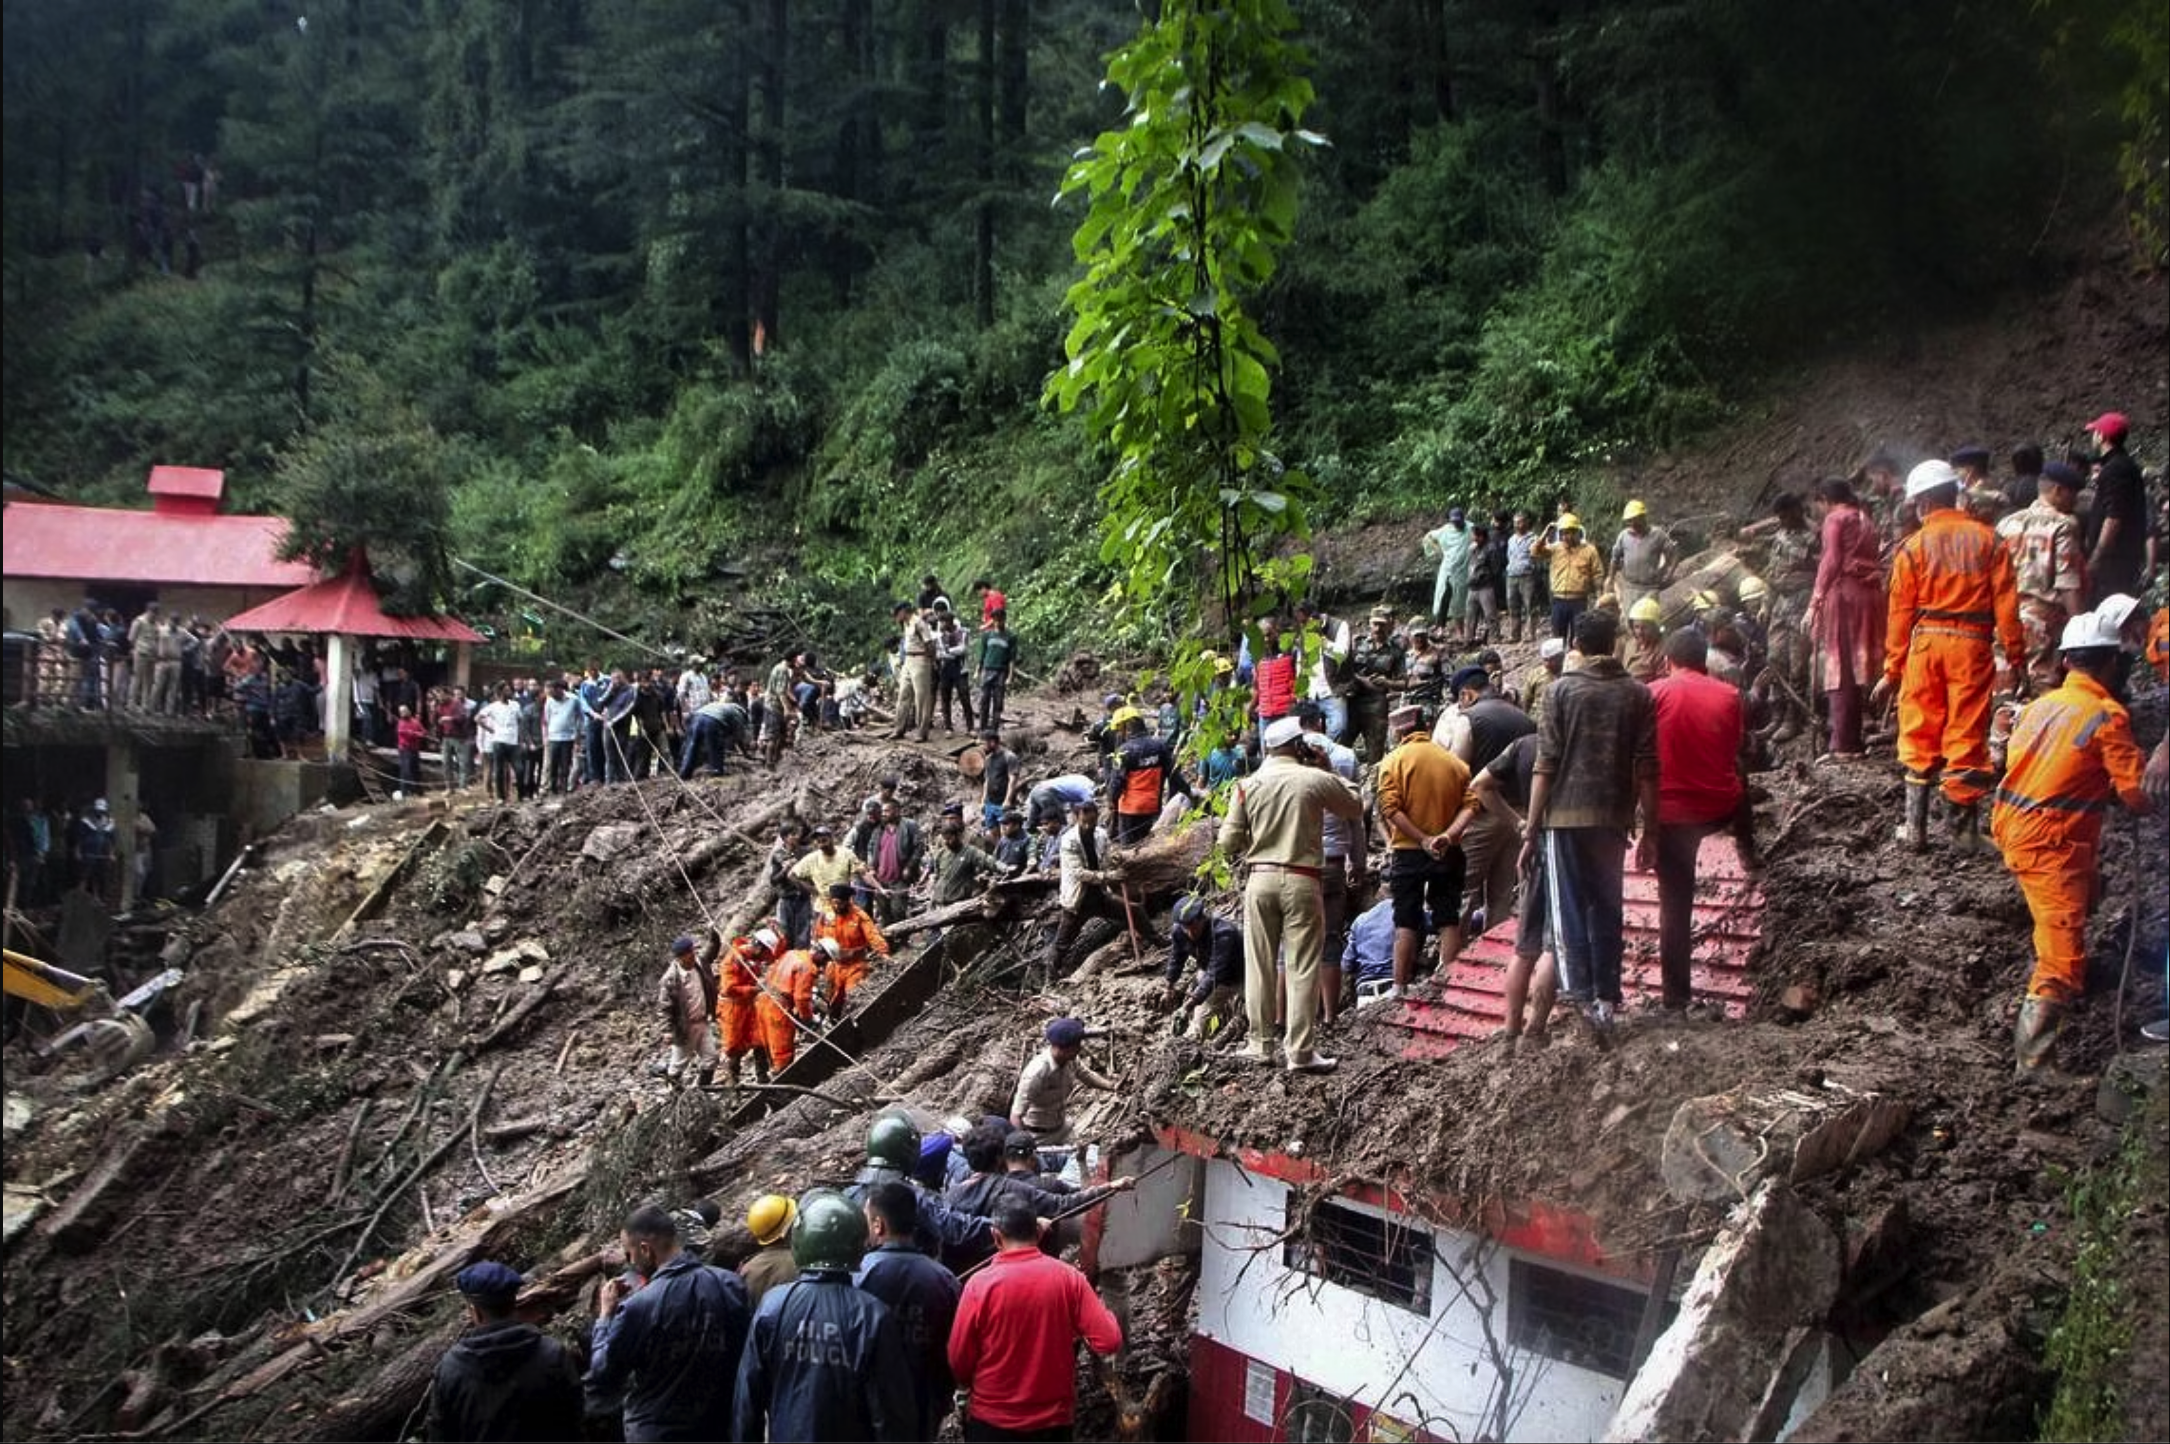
[1469, 999]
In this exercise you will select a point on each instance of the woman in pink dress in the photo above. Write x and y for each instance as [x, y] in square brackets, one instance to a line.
[1846, 611]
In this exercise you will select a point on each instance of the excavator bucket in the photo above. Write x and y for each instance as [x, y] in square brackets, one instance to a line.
[46, 985]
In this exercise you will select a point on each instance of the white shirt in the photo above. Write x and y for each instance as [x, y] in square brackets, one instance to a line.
[694, 692]
[499, 723]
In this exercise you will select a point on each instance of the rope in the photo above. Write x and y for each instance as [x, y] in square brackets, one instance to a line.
[566, 611]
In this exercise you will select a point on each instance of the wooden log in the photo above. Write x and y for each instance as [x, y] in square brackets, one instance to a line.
[375, 899]
[387, 1405]
[511, 1022]
[74, 1225]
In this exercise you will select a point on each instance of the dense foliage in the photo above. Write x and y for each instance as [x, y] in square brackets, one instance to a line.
[646, 295]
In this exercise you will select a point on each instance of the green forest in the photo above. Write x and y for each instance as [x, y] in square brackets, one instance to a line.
[644, 303]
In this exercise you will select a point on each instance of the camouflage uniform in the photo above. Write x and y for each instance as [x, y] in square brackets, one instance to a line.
[2044, 544]
[1383, 665]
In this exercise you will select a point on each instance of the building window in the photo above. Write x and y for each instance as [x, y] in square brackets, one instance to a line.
[1317, 1417]
[1577, 1320]
[1258, 1392]
[1367, 1253]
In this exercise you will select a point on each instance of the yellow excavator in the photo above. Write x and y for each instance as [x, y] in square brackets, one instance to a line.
[112, 1032]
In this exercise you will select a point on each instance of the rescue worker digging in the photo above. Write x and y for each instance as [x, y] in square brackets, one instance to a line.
[786, 1003]
[1953, 606]
[2070, 754]
[856, 942]
[738, 990]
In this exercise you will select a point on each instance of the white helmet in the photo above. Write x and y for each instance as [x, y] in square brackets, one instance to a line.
[1928, 476]
[827, 948]
[2089, 631]
[2116, 609]
[766, 940]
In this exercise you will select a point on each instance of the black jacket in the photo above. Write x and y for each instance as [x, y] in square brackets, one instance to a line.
[505, 1381]
[922, 1297]
[825, 1361]
[957, 1238]
[673, 1350]
[1220, 960]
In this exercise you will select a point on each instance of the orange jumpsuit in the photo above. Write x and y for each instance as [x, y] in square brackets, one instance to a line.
[736, 1021]
[2071, 753]
[2158, 642]
[858, 941]
[1953, 600]
[790, 982]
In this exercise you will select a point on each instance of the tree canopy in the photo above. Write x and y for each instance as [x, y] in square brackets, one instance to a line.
[660, 292]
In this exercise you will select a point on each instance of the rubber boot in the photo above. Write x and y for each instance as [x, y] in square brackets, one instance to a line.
[2034, 1036]
[708, 1075]
[1966, 829]
[731, 1068]
[761, 1065]
[1914, 832]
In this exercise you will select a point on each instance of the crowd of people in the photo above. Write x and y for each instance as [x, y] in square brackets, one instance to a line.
[934, 1281]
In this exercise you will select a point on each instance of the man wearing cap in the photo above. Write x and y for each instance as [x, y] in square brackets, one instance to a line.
[1013, 845]
[1082, 890]
[1486, 724]
[1954, 610]
[1452, 544]
[1537, 681]
[673, 1346]
[1377, 669]
[1642, 557]
[855, 941]
[1337, 880]
[684, 998]
[1216, 945]
[2071, 755]
[1420, 789]
[1276, 822]
[915, 670]
[503, 1379]
[1596, 768]
[769, 1221]
[1425, 670]
[957, 869]
[2117, 543]
[2048, 568]
[1041, 1103]
[1577, 569]
[1141, 773]
[739, 986]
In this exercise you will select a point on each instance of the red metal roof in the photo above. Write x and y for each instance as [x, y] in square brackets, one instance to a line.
[94, 544]
[347, 604]
[186, 490]
[1469, 999]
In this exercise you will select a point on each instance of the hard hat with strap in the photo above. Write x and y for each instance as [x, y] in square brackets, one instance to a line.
[1647, 610]
[1752, 587]
[893, 1142]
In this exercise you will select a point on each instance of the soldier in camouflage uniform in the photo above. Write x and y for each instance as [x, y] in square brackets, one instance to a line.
[1376, 672]
[2051, 569]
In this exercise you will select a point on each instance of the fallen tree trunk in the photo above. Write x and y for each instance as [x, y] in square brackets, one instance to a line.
[388, 1405]
[511, 1022]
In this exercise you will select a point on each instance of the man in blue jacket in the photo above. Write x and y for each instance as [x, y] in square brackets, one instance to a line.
[921, 1295]
[825, 1360]
[673, 1347]
[504, 1379]
[957, 1238]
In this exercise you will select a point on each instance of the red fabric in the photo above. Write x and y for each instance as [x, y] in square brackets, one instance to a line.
[1275, 680]
[412, 734]
[1013, 1344]
[991, 603]
[1699, 743]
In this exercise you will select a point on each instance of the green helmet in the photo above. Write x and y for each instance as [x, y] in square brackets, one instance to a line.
[893, 1142]
[829, 1233]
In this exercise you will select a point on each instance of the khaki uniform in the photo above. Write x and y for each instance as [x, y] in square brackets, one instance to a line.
[2046, 562]
[1276, 821]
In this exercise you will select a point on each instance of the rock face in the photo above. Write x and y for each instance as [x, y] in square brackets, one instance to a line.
[1748, 1332]
[1721, 1146]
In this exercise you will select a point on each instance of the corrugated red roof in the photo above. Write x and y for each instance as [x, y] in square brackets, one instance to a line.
[200, 483]
[1469, 999]
[94, 544]
[346, 604]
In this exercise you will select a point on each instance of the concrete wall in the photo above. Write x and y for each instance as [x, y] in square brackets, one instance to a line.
[1409, 1365]
[1160, 1217]
[267, 793]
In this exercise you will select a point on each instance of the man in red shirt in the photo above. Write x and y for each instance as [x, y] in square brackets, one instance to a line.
[1699, 791]
[1013, 1346]
[991, 602]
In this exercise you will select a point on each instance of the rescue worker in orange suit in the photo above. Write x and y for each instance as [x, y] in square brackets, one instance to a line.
[738, 1021]
[1954, 607]
[2071, 755]
[786, 1003]
[858, 942]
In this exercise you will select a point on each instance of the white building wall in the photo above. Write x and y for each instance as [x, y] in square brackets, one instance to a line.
[1362, 1348]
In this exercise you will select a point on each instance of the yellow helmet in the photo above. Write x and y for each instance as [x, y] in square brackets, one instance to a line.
[1570, 522]
[770, 1218]
[1124, 716]
[1703, 601]
[1222, 666]
[1752, 587]
[1647, 610]
[1634, 510]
